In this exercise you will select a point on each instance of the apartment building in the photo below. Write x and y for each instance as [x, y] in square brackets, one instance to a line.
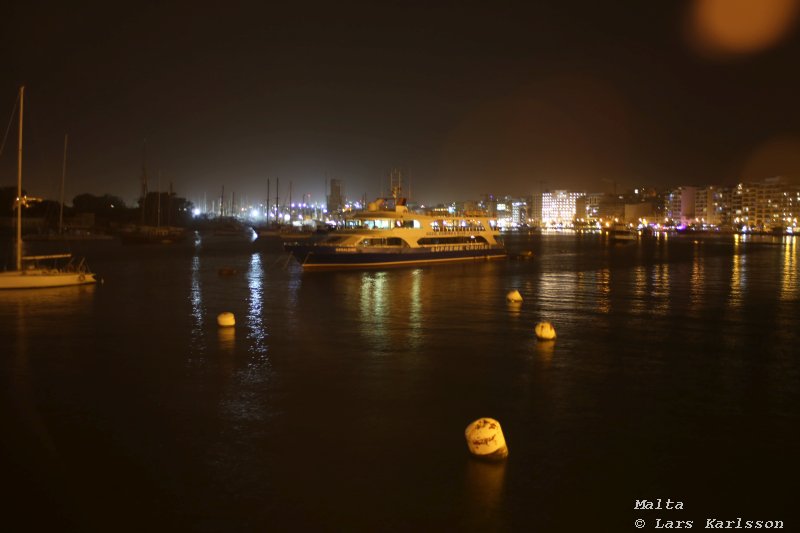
[558, 207]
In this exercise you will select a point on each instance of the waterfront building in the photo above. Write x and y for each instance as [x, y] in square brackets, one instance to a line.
[503, 212]
[511, 212]
[768, 205]
[558, 207]
[713, 205]
[645, 205]
[600, 207]
[335, 200]
[519, 212]
[467, 206]
[535, 209]
[645, 212]
[680, 205]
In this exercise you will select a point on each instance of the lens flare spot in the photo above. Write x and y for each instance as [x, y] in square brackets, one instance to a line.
[724, 28]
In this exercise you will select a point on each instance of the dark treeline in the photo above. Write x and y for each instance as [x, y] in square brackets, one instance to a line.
[106, 212]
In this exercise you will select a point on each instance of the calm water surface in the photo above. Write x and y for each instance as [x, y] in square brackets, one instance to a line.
[339, 400]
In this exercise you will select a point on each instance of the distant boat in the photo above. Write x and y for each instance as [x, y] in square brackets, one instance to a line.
[226, 231]
[30, 272]
[72, 235]
[153, 235]
[144, 233]
[622, 233]
[288, 233]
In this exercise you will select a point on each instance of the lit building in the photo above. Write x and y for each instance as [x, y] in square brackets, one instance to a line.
[681, 205]
[769, 205]
[558, 207]
[519, 213]
[599, 207]
[713, 206]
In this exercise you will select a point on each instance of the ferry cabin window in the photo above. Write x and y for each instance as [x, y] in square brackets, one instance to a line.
[407, 224]
[378, 223]
[390, 241]
[381, 223]
[457, 225]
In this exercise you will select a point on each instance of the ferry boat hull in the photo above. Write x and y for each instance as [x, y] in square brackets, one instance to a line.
[321, 257]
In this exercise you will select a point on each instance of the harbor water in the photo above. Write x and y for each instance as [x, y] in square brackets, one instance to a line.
[339, 399]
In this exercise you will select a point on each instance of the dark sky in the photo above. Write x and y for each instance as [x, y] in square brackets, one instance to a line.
[466, 97]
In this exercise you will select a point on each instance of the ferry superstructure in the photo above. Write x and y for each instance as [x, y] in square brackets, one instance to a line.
[387, 234]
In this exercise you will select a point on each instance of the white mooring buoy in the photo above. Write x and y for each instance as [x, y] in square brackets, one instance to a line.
[226, 320]
[545, 331]
[514, 297]
[485, 439]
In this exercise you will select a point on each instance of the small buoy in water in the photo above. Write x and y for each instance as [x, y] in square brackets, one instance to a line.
[485, 439]
[227, 271]
[514, 297]
[226, 320]
[527, 254]
[545, 331]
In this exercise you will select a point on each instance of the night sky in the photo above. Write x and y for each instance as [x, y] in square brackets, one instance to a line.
[467, 98]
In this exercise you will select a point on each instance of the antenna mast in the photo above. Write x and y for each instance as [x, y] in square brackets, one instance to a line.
[63, 177]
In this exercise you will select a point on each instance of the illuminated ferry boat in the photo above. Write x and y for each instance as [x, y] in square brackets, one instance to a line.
[622, 233]
[387, 234]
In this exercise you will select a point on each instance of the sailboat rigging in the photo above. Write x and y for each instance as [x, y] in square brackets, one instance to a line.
[29, 274]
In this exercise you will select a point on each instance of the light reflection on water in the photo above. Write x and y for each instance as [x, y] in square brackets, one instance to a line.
[226, 337]
[257, 330]
[374, 309]
[484, 483]
[661, 287]
[603, 290]
[391, 306]
[640, 289]
[196, 300]
[789, 270]
[738, 274]
[293, 287]
[415, 311]
[697, 291]
[356, 386]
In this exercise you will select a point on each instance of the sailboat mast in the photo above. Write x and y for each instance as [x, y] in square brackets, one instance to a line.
[19, 180]
[144, 181]
[158, 209]
[63, 177]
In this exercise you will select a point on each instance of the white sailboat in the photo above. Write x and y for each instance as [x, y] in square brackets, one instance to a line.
[30, 272]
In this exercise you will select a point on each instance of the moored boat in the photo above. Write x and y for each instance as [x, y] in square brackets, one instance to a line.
[387, 234]
[36, 274]
[622, 233]
[29, 272]
[153, 235]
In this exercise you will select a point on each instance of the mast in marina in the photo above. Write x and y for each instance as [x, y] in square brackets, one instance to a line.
[63, 177]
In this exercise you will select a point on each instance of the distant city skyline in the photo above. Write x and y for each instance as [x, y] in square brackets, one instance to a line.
[465, 99]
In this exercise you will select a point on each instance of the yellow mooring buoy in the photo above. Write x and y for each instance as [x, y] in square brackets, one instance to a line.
[514, 297]
[226, 320]
[545, 331]
[485, 439]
